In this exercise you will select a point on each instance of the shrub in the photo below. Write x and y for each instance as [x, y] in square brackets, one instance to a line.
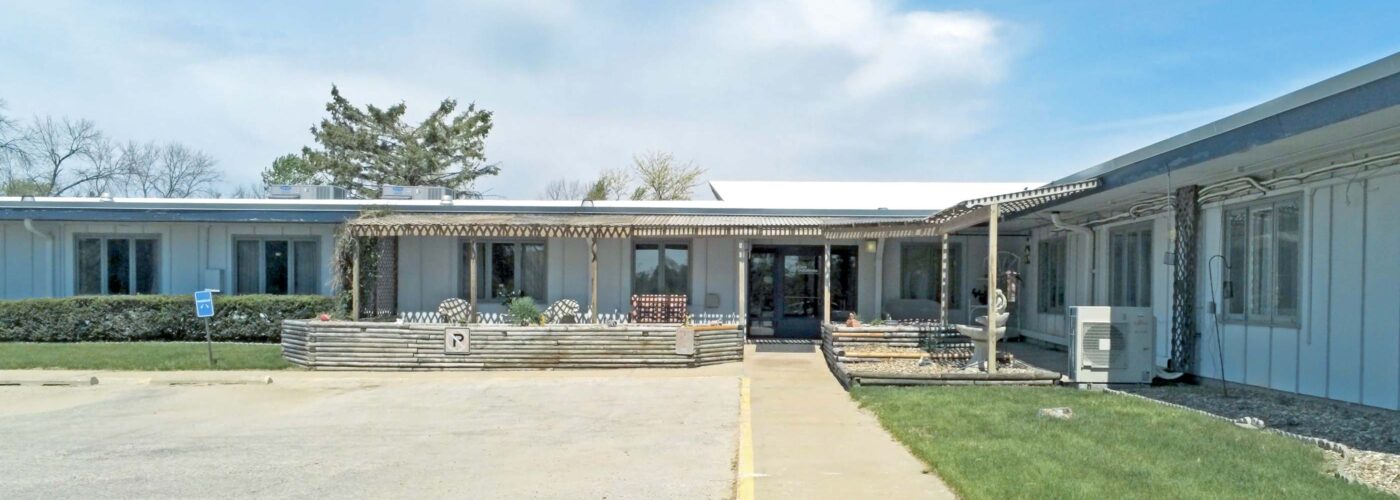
[524, 311]
[238, 318]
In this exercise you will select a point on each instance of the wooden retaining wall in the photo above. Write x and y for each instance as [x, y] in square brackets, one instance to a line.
[345, 345]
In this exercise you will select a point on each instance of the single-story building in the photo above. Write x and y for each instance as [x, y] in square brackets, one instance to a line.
[1260, 242]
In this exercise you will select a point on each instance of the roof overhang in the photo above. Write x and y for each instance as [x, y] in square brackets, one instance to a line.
[599, 225]
[968, 213]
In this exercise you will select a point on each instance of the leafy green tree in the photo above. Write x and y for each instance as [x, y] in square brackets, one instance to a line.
[293, 169]
[661, 177]
[25, 187]
[611, 185]
[366, 149]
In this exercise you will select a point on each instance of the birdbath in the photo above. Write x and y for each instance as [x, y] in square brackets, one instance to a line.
[978, 334]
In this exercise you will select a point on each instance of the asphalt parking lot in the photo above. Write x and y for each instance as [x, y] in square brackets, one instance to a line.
[441, 435]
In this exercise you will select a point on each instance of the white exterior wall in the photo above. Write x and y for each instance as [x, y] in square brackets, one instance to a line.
[1050, 326]
[429, 268]
[1347, 342]
[33, 267]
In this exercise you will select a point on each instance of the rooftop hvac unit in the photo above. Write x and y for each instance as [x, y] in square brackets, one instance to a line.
[1111, 345]
[415, 193]
[305, 192]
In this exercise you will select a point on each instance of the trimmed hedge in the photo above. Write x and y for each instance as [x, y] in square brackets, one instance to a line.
[238, 318]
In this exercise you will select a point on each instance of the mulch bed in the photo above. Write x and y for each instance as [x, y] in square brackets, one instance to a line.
[1373, 434]
[1356, 426]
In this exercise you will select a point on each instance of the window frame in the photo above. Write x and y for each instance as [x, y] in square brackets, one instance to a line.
[131, 238]
[484, 275]
[1271, 317]
[955, 270]
[1147, 264]
[262, 240]
[660, 257]
[1061, 279]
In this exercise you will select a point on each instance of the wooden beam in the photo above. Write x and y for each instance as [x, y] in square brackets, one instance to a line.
[879, 278]
[994, 213]
[741, 302]
[593, 278]
[471, 280]
[943, 282]
[826, 283]
[355, 279]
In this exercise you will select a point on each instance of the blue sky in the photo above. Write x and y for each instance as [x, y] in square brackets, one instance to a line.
[760, 90]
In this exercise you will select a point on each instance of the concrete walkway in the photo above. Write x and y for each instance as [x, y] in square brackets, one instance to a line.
[811, 440]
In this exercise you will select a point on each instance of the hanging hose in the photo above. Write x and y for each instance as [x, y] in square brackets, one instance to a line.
[1215, 310]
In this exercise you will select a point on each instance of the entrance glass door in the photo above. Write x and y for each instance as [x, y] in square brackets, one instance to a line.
[785, 289]
[801, 277]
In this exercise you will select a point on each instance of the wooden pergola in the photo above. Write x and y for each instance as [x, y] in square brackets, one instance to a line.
[593, 226]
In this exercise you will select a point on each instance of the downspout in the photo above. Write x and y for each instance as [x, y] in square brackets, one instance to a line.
[1088, 234]
[29, 225]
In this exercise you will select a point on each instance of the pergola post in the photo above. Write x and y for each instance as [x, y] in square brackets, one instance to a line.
[943, 283]
[993, 213]
[471, 280]
[593, 279]
[826, 283]
[880, 278]
[741, 305]
[355, 280]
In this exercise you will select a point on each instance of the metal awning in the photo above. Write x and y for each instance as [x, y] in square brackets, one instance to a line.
[593, 225]
[963, 215]
[599, 225]
[972, 212]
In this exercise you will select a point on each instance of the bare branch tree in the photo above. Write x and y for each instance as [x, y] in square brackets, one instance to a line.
[12, 139]
[662, 178]
[565, 189]
[63, 153]
[250, 191]
[171, 171]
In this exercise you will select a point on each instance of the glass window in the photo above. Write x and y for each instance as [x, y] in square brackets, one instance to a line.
[1262, 252]
[1050, 280]
[506, 269]
[921, 271]
[661, 268]
[307, 266]
[116, 266]
[89, 266]
[277, 266]
[843, 281]
[1130, 279]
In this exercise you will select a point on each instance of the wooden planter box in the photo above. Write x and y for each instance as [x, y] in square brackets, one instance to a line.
[349, 345]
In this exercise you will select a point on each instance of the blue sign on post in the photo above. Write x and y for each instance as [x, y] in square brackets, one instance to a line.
[204, 304]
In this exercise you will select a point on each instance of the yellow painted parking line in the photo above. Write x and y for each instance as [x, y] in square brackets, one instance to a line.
[743, 486]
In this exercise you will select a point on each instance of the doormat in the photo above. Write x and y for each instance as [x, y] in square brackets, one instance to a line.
[784, 347]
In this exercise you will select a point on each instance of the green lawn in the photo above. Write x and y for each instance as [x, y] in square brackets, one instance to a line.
[988, 442]
[140, 356]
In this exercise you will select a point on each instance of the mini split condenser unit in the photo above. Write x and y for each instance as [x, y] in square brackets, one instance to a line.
[1111, 345]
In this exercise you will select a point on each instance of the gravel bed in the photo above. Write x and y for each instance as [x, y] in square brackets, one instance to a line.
[1372, 468]
[912, 367]
[1356, 426]
[881, 349]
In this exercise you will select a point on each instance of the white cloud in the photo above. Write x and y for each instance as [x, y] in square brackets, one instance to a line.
[889, 50]
[767, 90]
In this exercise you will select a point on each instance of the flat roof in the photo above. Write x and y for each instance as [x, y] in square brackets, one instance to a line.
[337, 211]
[927, 196]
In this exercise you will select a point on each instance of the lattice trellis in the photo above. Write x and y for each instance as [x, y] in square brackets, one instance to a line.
[1184, 332]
